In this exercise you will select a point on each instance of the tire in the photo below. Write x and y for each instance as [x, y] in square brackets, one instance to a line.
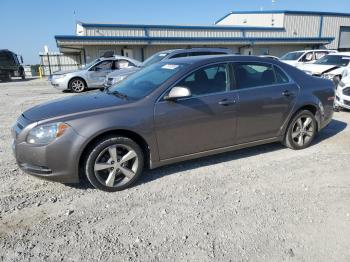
[113, 174]
[77, 85]
[301, 131]
[7, 77]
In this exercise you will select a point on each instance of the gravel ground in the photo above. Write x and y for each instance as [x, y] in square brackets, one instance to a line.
[266, 203]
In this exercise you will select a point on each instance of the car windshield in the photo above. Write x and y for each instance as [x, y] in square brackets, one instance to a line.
[90, 64]
[146, 80]
[154, 59]
[337, 60]
[292, 56]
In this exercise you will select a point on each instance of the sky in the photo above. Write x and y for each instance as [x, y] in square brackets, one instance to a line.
[27, 25]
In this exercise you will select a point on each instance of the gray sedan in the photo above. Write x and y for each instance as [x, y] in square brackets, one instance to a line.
[171, 111]
[91, 75]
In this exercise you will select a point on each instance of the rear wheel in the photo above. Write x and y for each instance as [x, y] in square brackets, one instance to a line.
[301, 130]
[7, 77]
[77, 85]
[114, 163]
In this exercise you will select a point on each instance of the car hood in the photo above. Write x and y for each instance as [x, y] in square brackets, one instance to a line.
[73, 104]
[317, 69]
[124, 71]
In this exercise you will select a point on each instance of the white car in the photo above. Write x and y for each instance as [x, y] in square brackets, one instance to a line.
[297, 58]
[331, 66]
[91, 75]
[342, 93]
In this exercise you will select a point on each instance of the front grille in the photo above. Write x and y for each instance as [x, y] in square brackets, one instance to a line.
[346, 91]
[346, 102]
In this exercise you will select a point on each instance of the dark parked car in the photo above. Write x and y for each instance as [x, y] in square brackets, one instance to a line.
[116, 77]
[169, 112]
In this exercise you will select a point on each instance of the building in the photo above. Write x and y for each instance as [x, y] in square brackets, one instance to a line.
[250, 33]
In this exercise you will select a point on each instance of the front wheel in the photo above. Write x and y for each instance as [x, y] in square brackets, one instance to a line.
[114, 163]
[77, 85]
[301, 130]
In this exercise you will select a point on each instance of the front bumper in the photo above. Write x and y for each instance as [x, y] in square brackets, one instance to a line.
[58, 161]
[341, 99]
[59, 83]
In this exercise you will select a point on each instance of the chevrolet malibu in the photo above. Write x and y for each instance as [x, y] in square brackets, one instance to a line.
[170, 112]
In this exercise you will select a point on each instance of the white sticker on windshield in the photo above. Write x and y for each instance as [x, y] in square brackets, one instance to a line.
[346, 57]
[172, 67]
[162, 54]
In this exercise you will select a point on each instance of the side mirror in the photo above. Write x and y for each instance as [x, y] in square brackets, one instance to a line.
[178, 92]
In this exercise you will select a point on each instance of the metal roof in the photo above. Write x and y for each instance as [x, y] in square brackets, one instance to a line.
[205, 27]
[148, 39]
[291, 12]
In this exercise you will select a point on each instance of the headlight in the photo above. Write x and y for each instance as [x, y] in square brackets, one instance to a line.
[308, 72]
[328, 76]
[59, 76]
[44, 134]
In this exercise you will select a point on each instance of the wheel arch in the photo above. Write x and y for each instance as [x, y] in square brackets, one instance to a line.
[137, 138]
[312, 107]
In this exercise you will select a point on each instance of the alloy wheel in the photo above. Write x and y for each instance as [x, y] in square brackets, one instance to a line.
[116, 165]
[303, 130]
[77, 85]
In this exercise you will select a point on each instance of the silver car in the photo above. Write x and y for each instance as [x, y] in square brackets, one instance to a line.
[91, 75]
[117, 76]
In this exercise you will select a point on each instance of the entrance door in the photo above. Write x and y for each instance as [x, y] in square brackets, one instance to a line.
[128, 53]
[247, 51]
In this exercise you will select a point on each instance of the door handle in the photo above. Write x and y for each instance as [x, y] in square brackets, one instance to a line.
[226, 102]
[287, 93]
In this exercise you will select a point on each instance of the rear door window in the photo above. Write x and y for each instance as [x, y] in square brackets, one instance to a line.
[281, 77]
[122, 63]
[249, 75]
[320, 54]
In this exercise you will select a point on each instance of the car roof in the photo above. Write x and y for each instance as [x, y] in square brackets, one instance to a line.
[341, 54]
[217, 58]
[197, 49]
[313, 50]
[120, 57]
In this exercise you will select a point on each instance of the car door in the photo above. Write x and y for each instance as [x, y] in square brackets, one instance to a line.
[97, 74]
[266, 97]
[204, 121]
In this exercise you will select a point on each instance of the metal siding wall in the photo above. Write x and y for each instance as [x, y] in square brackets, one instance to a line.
[278, 50]
[331, 27]
[114, 31]
[59, 62]
[158, 32]
[303, 25]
